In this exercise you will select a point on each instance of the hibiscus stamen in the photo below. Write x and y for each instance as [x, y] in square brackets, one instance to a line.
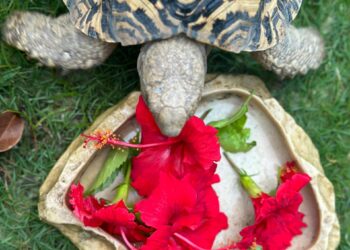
[289, 168]
[104, 138]
[126, 241]
[194, 245]
[189, 242]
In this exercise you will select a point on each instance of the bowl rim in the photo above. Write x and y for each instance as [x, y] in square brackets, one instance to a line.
[52, 195]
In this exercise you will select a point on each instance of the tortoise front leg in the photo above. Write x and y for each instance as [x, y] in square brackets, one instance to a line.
[299, 51]
[55, 42]
[172, 74]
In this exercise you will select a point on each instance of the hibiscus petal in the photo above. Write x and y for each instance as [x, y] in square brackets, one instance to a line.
[277, 219]
[196, 147]
[288, 170]
[192, 213]
[84, 208]
[146, 168]
[171, 199]
[205, 235]
[202, 146]
[161, 240]
[116, 214]
[191, 221]
[248, 237]
[150, 131]
[294, 184]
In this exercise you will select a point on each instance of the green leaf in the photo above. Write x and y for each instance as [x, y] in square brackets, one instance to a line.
[115, 160]
[236, 116]
[246, 180]
[233, 138]
[250, 186]
[109, 181]
[123, 188]
[231, 132]
[122, 193]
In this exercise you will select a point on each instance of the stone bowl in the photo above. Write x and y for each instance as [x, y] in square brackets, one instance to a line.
[279, 139]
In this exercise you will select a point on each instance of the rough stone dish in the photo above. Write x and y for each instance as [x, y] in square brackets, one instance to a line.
[278, 138]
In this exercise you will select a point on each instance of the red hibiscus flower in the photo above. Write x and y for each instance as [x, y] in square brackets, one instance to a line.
[181, 214]
[196, 147]
[112, 218]
[117, 217]
[277, 218]
[288, 170]
[84, 208]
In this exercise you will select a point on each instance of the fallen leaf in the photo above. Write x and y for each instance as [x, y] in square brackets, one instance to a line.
[11, 130]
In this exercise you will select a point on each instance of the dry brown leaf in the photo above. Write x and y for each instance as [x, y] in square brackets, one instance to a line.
[11, 130]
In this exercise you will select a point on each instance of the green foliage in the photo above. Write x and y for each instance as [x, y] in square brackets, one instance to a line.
[236, 116]
[111, 168]
[232, 134]
[247, 182]
[233, 138]
[123, 188]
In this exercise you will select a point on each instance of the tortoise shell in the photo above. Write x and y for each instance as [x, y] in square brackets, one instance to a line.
[232, 25]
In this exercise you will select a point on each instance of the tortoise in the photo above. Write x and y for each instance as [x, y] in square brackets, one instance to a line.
[177, 36]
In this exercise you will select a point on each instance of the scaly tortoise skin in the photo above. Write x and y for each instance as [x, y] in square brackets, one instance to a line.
[232, 25]
[29, 32]
[173, 62]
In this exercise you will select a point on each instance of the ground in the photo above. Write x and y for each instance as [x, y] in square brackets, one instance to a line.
[58, 108]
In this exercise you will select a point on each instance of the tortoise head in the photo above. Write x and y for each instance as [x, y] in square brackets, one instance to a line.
[172, 67]
[172, 74]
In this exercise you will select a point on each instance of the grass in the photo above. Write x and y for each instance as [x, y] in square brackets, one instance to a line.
[57, 109]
